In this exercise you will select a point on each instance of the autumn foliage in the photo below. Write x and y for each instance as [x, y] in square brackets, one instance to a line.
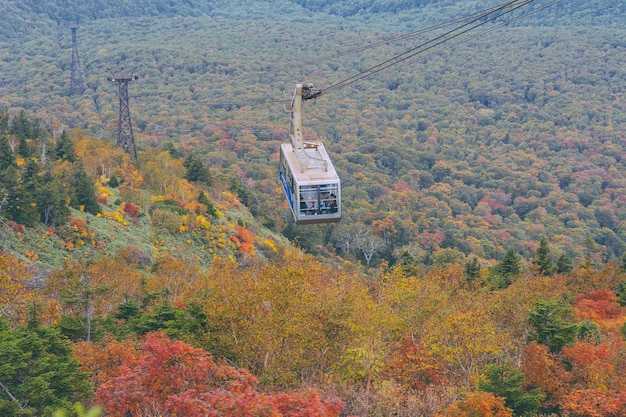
[478, 404]
[171, 378]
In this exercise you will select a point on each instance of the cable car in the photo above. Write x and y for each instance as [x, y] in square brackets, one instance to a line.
[310, 182]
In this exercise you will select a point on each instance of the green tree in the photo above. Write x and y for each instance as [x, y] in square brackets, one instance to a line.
[509, 267]
[542, 258]
[114, 182]
[84, 191]
[589, 331]
[51, 202]
[38, 372]
[197, 171]
[28, 190]
[564, 265]
[510, 264]
[65, 148]
[552, 324]
[7, 157]
[621, 293]
[22, 148]
[171, 148]
[20, 206]
[507, 382]
[472, 270]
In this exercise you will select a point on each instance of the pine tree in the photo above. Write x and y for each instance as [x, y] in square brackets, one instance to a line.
[51, 202]
[564, 265]
[542, 258]
[65, 148]
[169, 146]
[622, 266]
[197, 171]
[22, 148]
[7, 157]
[553, 325]
[472, 270]
[507, 382]
[510, 263]
[505, 270]
[621, 293]
[84, 191]
[113, 181]
[39, 372]
[21, 206]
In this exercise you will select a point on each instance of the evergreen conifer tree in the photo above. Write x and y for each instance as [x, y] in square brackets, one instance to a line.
[505, 270]
[472, 270]
[39, 372]
[21, 206]
[22, 148]
[51, 202]
[542, 258]
[564, 265]
[7, 157]
[65, 148]
[553, 325]
[197, 171]
[510, 263]
[621, 293]
[507, 382]
[113, 181]
[84, 191]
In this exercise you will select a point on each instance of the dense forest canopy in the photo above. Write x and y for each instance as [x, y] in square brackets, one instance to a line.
[493, 141]
[479, 268]
[403, 13]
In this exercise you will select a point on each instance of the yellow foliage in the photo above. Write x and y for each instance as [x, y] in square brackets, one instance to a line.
[287, 318]
[270, 244]
[105, 191]
[15, 294]
[202, 222]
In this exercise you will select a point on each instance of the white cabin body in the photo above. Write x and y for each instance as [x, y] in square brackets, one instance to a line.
[313, 194]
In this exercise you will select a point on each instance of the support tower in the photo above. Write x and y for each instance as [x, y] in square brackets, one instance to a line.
[76, 82]
[125, 138]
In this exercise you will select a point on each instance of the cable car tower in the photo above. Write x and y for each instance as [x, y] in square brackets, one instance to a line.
[76, 80]
[125, 138]
[309, 180]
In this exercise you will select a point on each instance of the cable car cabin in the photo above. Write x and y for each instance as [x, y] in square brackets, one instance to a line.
[308, 177]
[313, 194]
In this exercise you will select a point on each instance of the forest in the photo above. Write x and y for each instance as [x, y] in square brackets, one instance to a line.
[478, 270]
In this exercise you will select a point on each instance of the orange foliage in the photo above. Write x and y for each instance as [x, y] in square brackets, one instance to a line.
[591, 364]
[598, 304]
[170, 378]
[14, 291]
[78, 224]
[594, 403]
[542, 370]
[178, 276]
[411, 365]
[478, 404]
[245, 240]
[103, 199]
[131, 210]
[103, 361]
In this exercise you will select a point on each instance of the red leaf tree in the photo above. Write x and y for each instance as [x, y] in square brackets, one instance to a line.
[171, 378]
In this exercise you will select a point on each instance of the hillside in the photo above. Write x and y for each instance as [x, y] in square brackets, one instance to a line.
[465, 151]
[479, 268]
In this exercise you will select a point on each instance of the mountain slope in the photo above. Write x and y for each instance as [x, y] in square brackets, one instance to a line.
[462, 151]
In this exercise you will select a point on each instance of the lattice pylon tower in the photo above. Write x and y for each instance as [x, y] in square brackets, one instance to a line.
[76, 81]
[125, 138]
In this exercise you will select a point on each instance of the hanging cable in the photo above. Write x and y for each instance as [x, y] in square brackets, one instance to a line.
[483, 19]
[405, 36]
